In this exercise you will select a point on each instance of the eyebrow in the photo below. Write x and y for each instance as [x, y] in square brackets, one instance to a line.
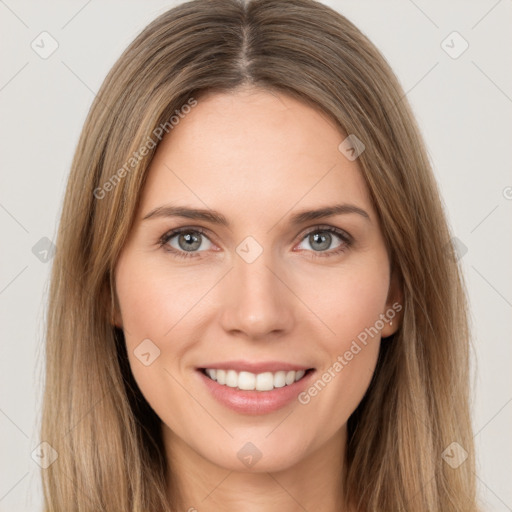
[215, 217]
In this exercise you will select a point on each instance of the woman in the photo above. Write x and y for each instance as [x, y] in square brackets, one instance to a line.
[254, 301]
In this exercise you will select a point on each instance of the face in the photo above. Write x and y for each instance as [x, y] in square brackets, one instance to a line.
[250, 289]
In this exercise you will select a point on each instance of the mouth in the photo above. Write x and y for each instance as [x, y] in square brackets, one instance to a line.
[259, 382]
[255, 388]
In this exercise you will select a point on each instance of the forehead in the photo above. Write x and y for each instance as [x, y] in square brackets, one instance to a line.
[253, 150]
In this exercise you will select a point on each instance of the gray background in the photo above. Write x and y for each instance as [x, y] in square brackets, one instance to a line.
[463, 106]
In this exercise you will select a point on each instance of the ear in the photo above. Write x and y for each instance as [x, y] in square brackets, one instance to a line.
[393, 313]
[116, 314]
[111, 305]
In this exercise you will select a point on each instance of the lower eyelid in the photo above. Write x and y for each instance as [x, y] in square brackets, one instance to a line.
[342, 247]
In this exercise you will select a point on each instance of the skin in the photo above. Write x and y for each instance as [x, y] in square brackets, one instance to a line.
[257, 157]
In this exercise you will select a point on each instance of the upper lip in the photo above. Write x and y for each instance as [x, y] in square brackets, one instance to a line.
[255, 367]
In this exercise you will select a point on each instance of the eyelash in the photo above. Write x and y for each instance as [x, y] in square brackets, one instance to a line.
[345, 238]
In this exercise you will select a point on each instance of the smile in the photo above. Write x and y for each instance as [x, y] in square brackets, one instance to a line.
[261, 391]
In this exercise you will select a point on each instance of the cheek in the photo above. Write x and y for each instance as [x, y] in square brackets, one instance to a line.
[351, 306]
[348, 301]
[153, 301]
[158, 312]
[149, 312]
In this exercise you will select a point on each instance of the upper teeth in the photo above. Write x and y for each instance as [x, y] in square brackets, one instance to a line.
[249, 381]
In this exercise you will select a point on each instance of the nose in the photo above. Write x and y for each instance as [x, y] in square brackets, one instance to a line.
[256, 301]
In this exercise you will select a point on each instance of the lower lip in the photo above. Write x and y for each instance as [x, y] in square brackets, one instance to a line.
[256, 402]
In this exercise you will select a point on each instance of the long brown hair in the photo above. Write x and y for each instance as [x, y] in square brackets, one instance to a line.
[110, 452]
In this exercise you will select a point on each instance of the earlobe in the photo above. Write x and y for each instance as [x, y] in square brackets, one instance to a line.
[394, 307]
[117, 319]
[391, 326]
[111, 304]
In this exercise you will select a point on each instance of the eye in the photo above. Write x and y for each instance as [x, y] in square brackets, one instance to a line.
[185, 242]
[321, 238]
[189, 242]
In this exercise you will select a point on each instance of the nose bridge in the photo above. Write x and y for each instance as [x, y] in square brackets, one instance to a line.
[257, 302]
